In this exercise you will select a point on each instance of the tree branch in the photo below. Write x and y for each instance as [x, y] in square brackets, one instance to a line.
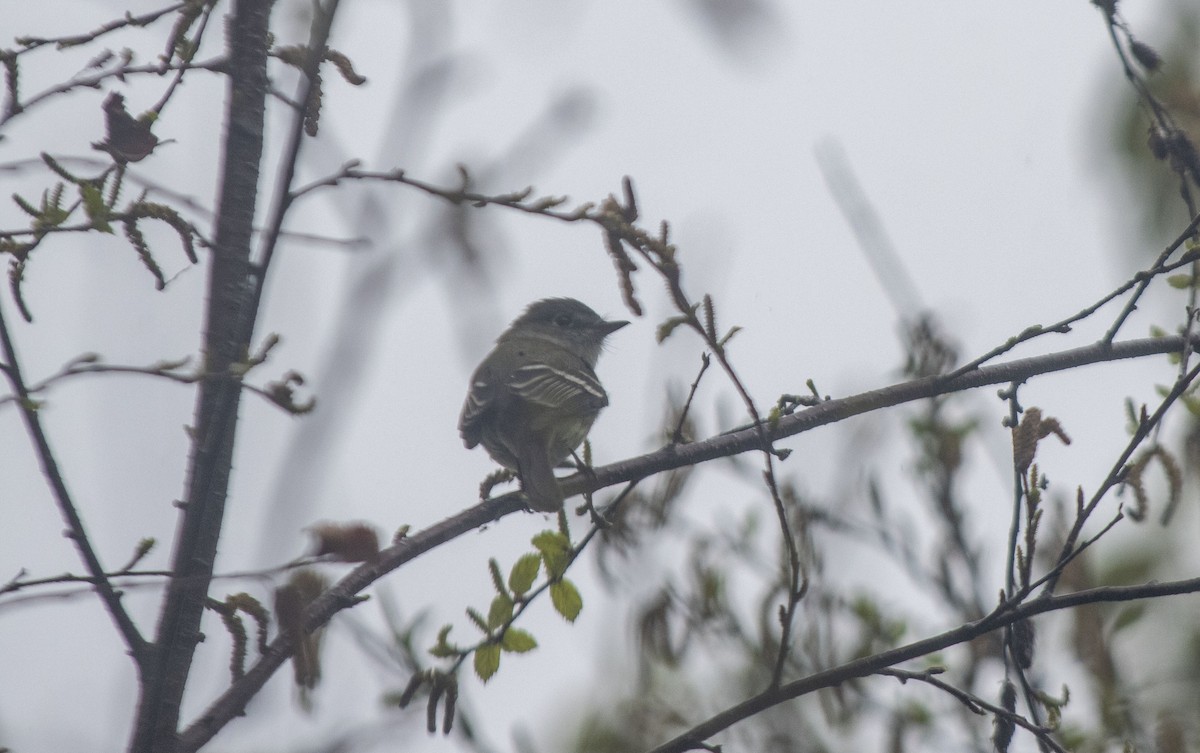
[1117, 473]
[76, 532]
[74, 40]
[974, 703]
[318, 40]
[119, 71]
[832, 411]
[233, 701]
[89, 365]
[869, 665]
[226, 343]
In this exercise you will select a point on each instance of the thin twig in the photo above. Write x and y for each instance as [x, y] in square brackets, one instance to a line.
[1166, 123]
[87, 227]
[873, 664]
[194, 45]
[1117, 472]
[974, 703]
[1014, 418]
[29, 44]
[93, 81]
[1139, 280]
[130, 579]
[177, 197]
[169, 371]
[677, 434]
[1061, 565]
[322, 25]
[525, 201]
[66, 505]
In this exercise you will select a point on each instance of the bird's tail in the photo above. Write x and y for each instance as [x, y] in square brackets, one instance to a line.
[539, 483]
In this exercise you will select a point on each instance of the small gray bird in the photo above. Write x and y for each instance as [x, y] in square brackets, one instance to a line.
[535, 396]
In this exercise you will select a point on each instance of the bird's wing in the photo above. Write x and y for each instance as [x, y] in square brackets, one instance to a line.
[475, 407]
[553, 387]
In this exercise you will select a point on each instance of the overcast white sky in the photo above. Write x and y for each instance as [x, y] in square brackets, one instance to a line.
[976, 129]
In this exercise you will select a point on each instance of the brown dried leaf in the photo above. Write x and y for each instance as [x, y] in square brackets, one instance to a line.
[347, 542]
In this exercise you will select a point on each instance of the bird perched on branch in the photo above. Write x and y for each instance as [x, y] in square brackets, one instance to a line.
[534, 397]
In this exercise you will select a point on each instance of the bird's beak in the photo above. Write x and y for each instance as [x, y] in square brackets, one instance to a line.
[610, 327]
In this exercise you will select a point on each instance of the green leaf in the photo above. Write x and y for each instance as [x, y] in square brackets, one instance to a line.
[524, 573]
[477, 618]
[774, 416]
[566, 599]
[26, 207]
[550, 541]
[57, 168]
[443, 648]
[666, 328]
[487, 661]
[500, 612]
[497, 578]
[556, 551]
[93, 204]
[564, 525]
[1131, 416]
[517, 641]
[728, 336]
[52, 214]
[1181, 282]
[710, 318]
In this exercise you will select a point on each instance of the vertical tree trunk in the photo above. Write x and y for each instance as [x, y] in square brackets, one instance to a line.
[228, 327]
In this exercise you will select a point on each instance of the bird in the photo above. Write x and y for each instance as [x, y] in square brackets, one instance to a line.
[534, 397]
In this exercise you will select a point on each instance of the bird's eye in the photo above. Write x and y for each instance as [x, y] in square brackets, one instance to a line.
[562, 320]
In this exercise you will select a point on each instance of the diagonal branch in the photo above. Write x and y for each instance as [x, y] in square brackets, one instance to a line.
[342, 595]
[832, 411]
[76, 532]
[976, 704]
[232, 702]
[75, 40]
[875, 663]
[1117, 473]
